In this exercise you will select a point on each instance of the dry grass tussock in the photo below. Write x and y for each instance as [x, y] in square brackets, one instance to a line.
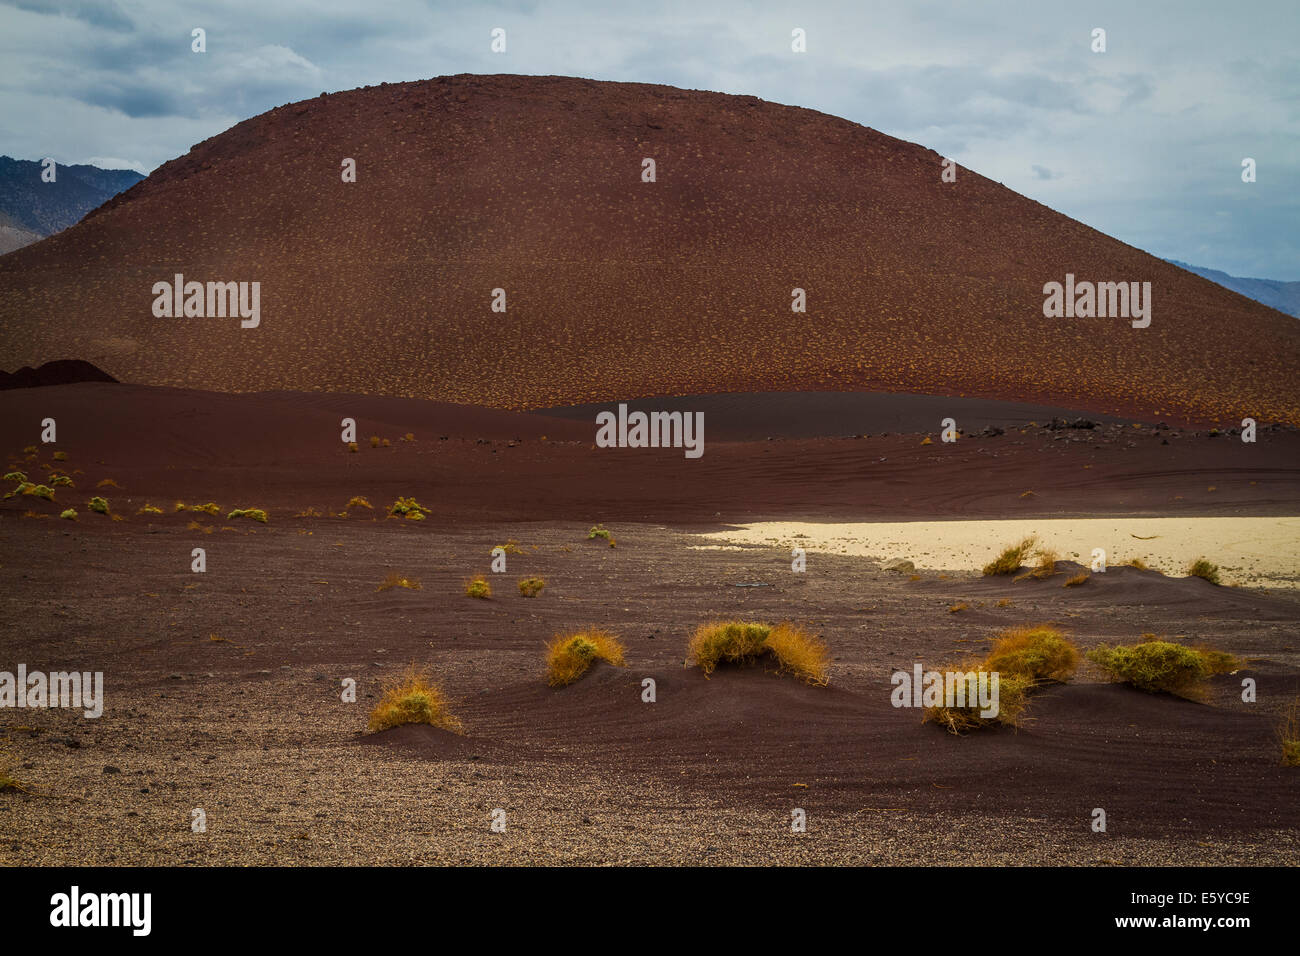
[570, 656]
[413, 698]
[1011, 559]
[790, 647]
[1023, 658]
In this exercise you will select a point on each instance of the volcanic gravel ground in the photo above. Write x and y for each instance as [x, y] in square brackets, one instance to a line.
[223, 693]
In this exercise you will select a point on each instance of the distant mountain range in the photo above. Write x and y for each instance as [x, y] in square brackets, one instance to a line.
[1283, 296]
[31, 209]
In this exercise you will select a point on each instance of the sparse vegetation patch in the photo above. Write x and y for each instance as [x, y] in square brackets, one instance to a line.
[1013, 698]
[1011, 559]
[1201, 568]
[1154, 666]
[413, 699]
[790, 647]
[568, 657]
[1040, 653]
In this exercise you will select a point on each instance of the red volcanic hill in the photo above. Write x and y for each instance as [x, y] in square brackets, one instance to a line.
[618, 288]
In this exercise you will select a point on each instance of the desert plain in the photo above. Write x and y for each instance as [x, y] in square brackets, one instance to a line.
[223, 688]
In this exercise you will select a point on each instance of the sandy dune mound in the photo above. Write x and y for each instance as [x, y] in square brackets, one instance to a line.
[615, 287]
[1144, 756]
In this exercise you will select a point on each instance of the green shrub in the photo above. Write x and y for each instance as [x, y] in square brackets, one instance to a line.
[32, 490]
[1153, 666]
[70, 514]
[1204, 569]
[98, 504]
[257, 514]
[408, 508]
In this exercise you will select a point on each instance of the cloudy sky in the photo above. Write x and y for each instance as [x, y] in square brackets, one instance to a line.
[1143, 142]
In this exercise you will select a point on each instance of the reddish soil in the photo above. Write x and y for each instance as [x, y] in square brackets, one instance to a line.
[296, 607]
[283, 452]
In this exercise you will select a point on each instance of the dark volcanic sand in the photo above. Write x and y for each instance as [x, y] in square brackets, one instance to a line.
[250, 727]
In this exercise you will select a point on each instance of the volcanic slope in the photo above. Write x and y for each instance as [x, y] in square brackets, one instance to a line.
[615, 287]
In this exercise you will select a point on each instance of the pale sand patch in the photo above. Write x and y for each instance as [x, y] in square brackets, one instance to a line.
[1259, 552]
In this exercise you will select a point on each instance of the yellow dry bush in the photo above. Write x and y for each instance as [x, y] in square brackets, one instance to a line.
[1045, 568]
[413, 699]
[531, 587]
[800, 653]
[1200, 568]
[1010, 560]
[395, 580]
[570, 656]
[794, 650]
[478, 587]
[1013, 698]
[1040, 653]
